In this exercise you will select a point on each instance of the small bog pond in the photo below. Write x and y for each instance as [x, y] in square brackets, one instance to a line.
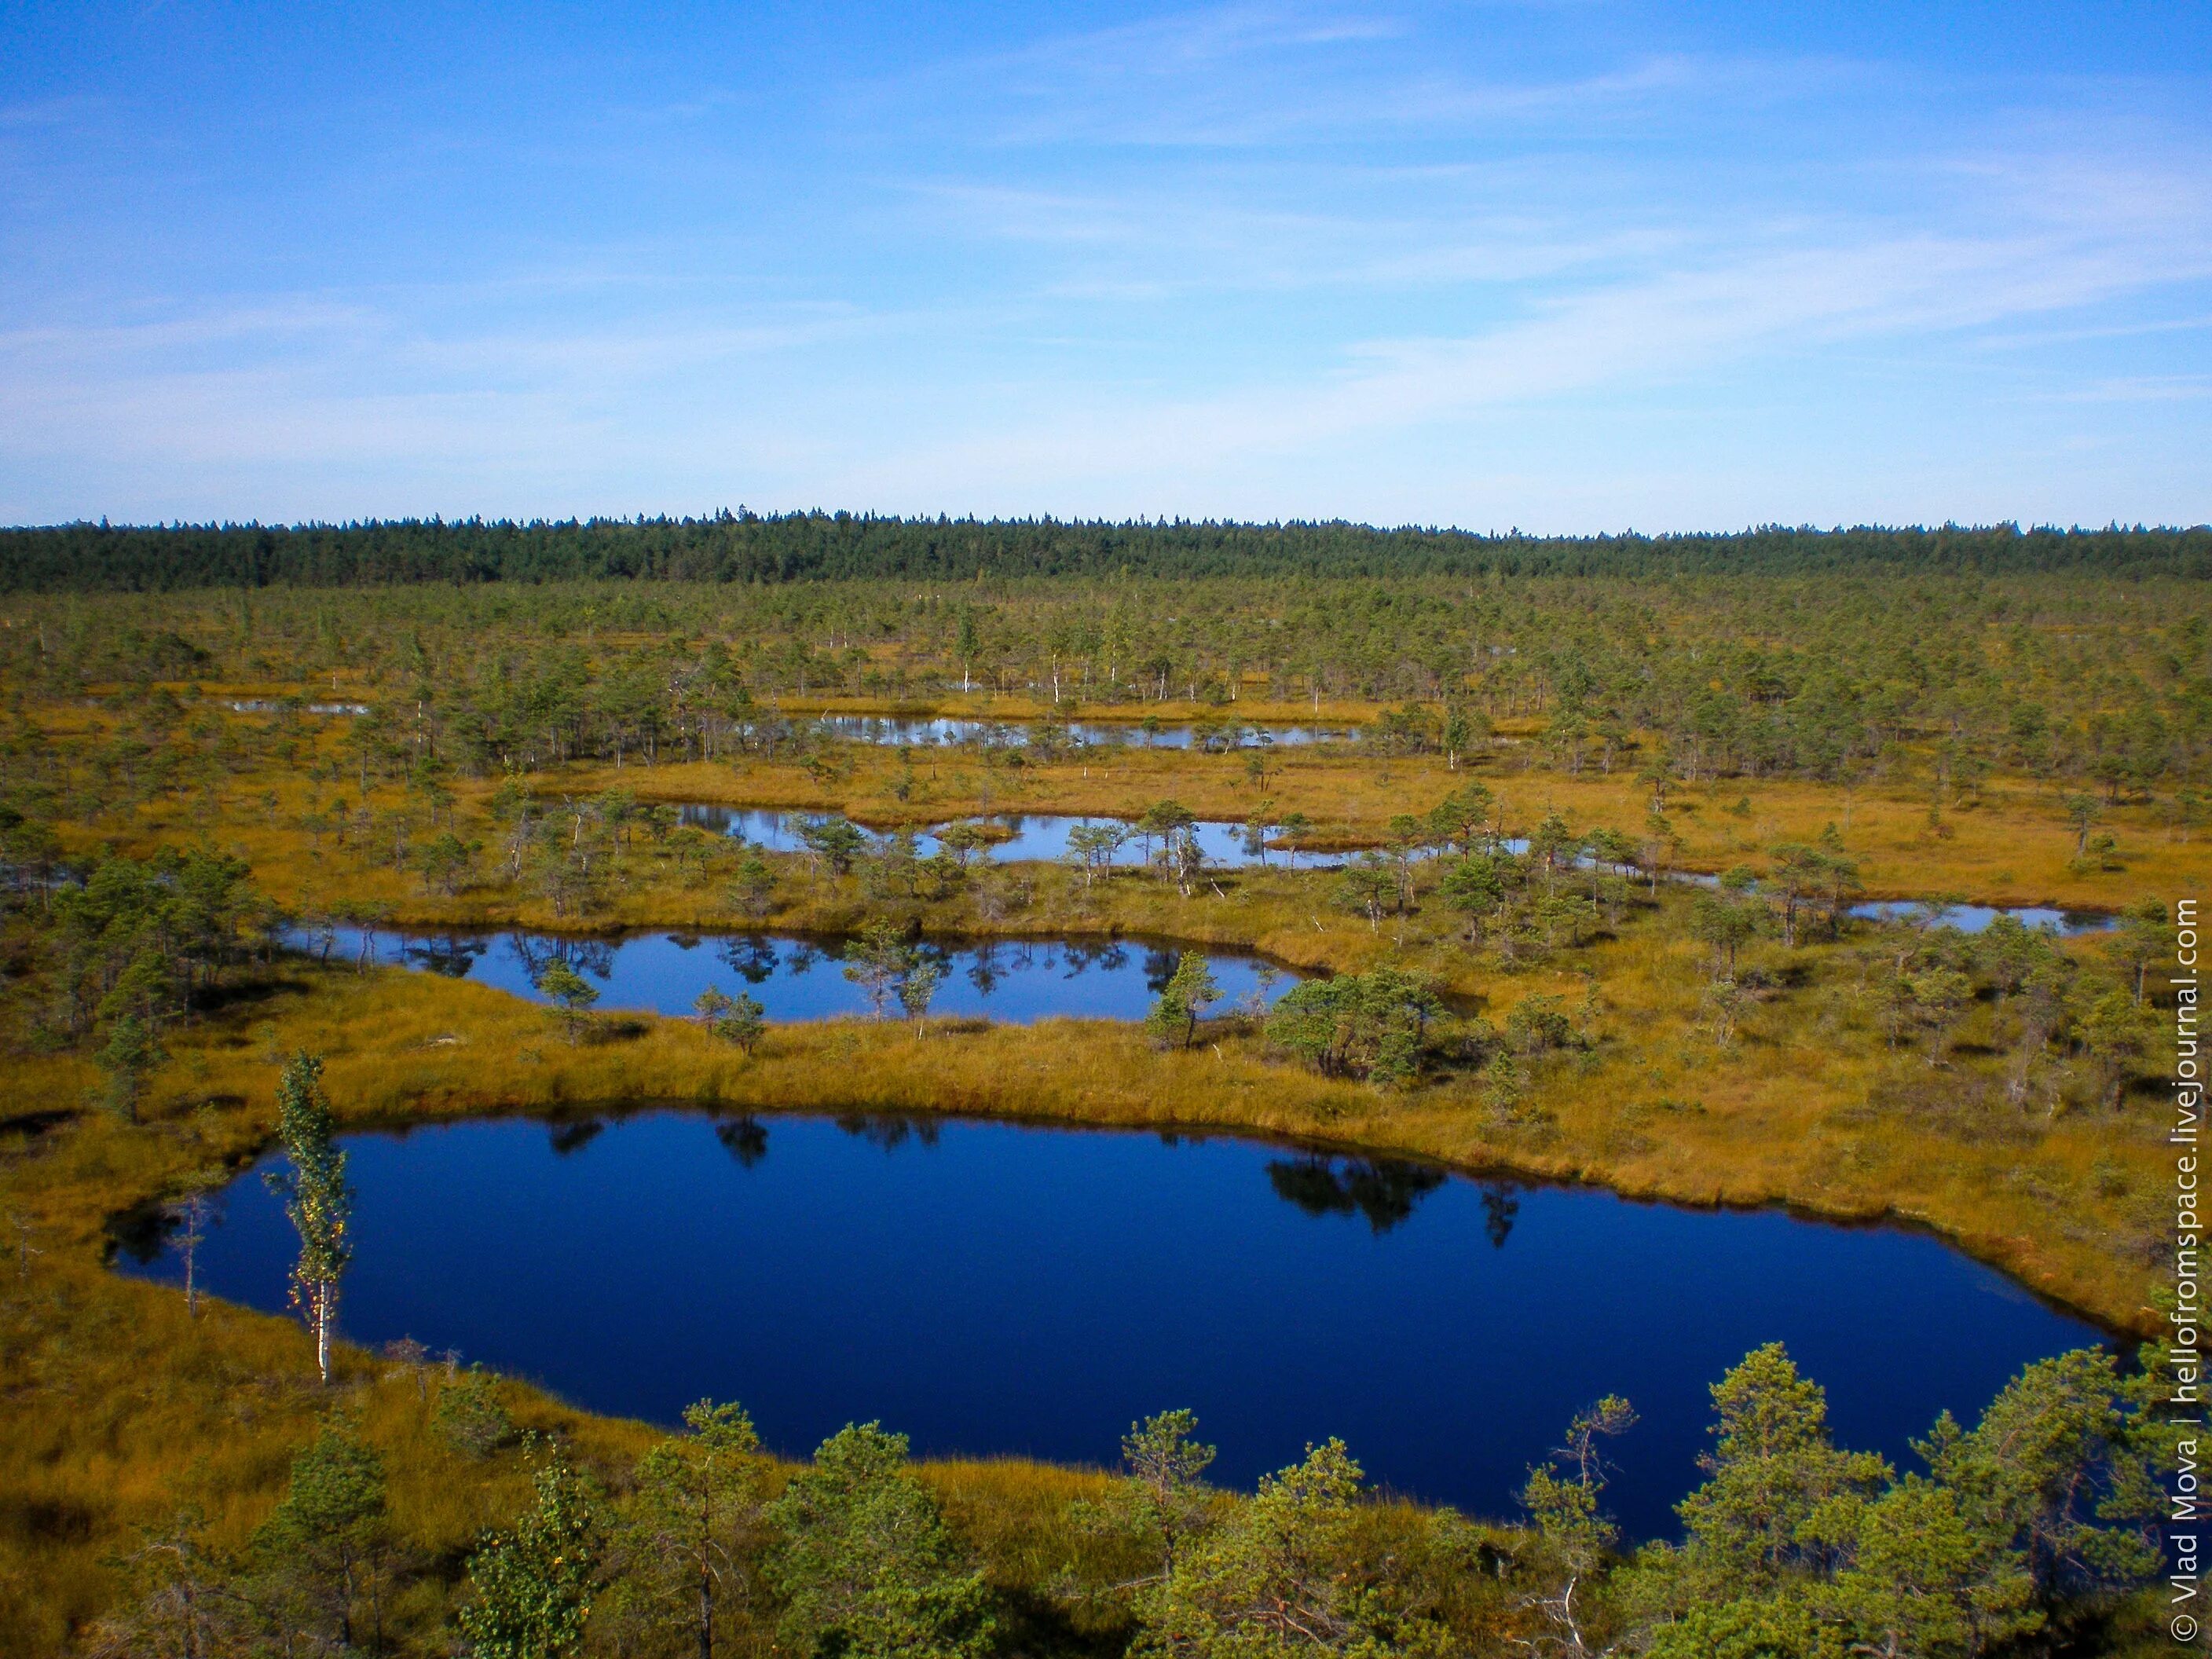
[1973, 918]
[1038, 836]
[1013, 981]
[1029, 836]
[1218, 733]
[991, 1288]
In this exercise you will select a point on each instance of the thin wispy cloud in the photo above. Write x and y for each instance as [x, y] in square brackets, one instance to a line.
[1477, 264]
[46, 112]
[1654, 329]
[1241, 77]
[2149, 388]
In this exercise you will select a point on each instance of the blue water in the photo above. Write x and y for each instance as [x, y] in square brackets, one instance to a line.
[1012, 982]
[1042, 836]
[1036, 836]
[1973, 918]
[943, 730]
[996, 1289]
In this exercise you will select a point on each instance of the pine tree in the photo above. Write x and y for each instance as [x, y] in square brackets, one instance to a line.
[326, 1541]
[697, 1521]
[1282, 1577]
[1166, 1464]
[533, 1585]
[1188, 991]
[571, 991]
[865, 1562]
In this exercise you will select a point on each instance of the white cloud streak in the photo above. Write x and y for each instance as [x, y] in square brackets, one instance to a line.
[1048, 310]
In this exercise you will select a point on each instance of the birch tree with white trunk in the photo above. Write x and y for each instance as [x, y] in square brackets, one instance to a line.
[317, 1200]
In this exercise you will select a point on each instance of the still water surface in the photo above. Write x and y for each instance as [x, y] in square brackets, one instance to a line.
[1043, 836]
[1013, 981]
[998, 1289]
[1156, 734]
[1973, 918]
[1032, 836]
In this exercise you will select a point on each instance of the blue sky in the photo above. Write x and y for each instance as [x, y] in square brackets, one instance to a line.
[1569, 266]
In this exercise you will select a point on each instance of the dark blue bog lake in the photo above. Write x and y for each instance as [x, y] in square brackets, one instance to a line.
[991, 1288]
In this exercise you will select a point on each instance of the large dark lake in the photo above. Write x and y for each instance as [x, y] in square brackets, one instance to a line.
[991, 1288]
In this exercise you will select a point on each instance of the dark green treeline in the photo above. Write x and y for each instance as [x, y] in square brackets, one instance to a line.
[745, 547]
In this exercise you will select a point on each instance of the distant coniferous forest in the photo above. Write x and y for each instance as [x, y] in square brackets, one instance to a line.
[215, 741]
[2075, 656]
[747, 547]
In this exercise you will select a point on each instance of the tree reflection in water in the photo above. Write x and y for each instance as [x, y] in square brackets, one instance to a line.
[141, 1232]
[594, 958]
[985, 973]
[572, 1137]
[452, 955]
[1079, 957]
[890, 1133]
[1500, 1204]
[751, 959]
[664, 972]
[744, 1139]
[1384, 1190]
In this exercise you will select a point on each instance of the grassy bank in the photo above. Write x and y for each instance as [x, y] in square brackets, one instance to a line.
[1862, 1073]
[1793, 1130]
[2007, 841]
[123, 1410]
